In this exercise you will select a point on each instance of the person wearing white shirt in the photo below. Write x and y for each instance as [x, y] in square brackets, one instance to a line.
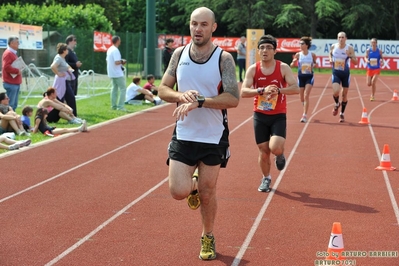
[115, 72]
[136, 93]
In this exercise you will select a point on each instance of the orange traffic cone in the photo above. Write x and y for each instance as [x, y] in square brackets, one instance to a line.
[395, 95]
[385, 163]
[365, 119]
[336, 243]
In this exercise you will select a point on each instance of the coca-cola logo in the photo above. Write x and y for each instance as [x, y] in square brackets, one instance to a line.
[223, 42]
[294, 43]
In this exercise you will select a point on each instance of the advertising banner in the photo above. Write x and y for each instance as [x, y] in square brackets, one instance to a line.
[321, 47]
[226, 43]
[30, 37]
[102, 41]
[253, 35]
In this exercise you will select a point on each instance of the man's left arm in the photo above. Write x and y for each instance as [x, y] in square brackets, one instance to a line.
[352, 55]
[230, 96]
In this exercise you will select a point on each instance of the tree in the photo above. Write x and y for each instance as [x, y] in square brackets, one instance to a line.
[84, 17]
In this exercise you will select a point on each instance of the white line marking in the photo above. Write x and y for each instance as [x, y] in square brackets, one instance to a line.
[82, 164]
[95, 231]
[262, 211]
[384, 173]
[389, 88]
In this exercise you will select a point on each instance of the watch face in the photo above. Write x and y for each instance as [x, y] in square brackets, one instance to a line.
[200, 98]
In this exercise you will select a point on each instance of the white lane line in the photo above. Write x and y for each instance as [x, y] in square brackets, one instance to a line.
[119, 213]
[83, 164]
[389, 88]
[262, 211]
[377, 149]
[95, 231]
[321, 95]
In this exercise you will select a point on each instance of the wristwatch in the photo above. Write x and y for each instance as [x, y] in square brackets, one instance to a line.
[200, 100]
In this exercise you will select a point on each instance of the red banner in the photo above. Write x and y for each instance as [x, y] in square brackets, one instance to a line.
[288, 45]
[227, 44]
[101, 41]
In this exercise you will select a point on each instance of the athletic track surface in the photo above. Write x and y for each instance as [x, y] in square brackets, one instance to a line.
[102, 198]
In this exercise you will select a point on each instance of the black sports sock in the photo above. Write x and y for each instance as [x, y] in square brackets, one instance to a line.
[336, 99]
[343, 106]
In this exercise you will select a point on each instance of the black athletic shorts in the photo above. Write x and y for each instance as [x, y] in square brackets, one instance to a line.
[53, 116]
[266, 126]
[190, 153]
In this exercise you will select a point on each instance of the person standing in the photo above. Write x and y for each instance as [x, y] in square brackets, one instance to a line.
[72, 59]
[269, 81]
[374, 61]
[167, 53]
[115, 65]
[200, 138]
[12, 77]
[64, 73]
[306, 62]
[241, 56]
[340, 53]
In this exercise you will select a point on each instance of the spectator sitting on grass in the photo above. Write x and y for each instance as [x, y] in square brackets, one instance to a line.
[12, 144]
[150, 85]
[10, 121]
[27, 112]
[57, 109]
[135, 92]
[42, 126]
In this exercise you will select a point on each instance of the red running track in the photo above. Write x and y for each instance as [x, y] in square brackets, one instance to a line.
[102, 198]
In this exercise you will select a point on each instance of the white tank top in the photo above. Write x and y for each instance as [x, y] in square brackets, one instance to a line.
[201, 124]
[305, 63]
[340, 58]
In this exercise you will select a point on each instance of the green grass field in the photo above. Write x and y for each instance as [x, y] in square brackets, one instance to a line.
[94, 110]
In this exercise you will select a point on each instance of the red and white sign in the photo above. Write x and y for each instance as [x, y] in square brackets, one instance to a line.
[102, 41]
[288, 45]
[227, 44]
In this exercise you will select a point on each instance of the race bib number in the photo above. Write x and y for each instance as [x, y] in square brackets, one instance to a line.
[267, 104]
[306, 68]
[339, 64]
[373, 62]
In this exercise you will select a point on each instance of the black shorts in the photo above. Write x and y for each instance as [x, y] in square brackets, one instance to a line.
[191, 153]
[53, 116]
[139, 97]
[305, 79]
[341, 77]
[266, 126]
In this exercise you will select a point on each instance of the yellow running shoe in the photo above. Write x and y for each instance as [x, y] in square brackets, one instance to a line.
[193, 200]
[372, 98]
[208, 251]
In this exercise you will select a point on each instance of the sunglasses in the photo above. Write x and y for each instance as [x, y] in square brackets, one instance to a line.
[301, 43]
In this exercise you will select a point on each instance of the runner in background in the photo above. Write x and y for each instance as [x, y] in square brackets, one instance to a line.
[340, 53]
[374, 61]
[306, 61]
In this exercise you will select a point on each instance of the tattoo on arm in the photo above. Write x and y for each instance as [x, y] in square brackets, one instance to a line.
[229, 79]
[173, 62]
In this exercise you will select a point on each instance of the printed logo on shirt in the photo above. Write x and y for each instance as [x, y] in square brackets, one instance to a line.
[262, 78]
[184, 63]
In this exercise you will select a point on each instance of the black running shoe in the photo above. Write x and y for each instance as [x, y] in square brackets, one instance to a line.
[280, 162]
